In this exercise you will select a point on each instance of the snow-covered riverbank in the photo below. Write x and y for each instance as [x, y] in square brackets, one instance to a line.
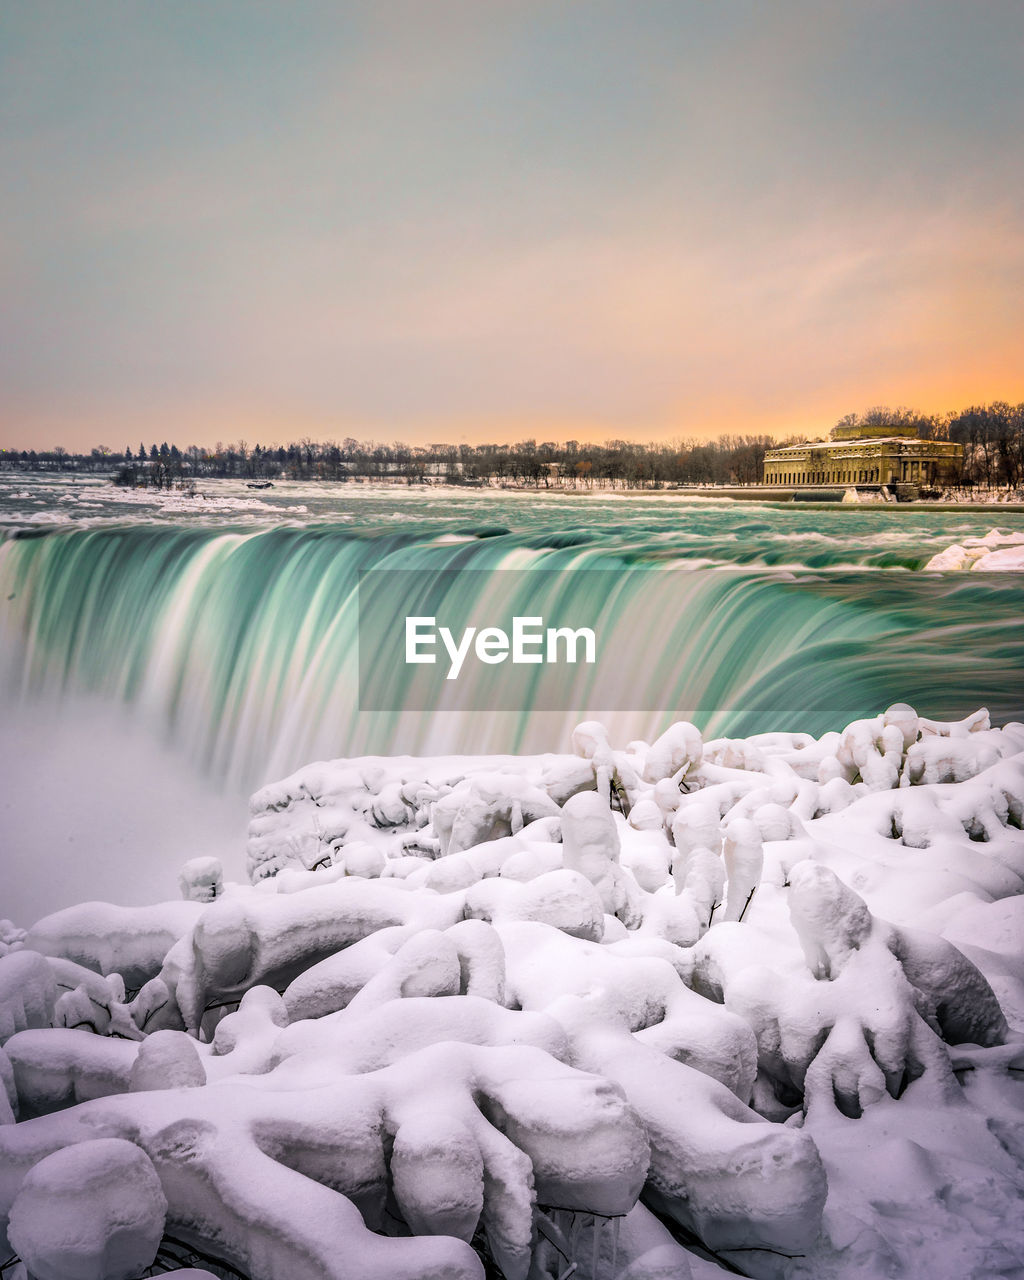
[634, 1007]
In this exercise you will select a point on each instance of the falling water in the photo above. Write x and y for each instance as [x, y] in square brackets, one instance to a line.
[240, 646]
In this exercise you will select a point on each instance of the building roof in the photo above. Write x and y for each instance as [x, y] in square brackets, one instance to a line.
[860, 441]
[879, 432]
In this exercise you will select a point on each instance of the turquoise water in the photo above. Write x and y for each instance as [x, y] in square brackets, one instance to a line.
[228, 624]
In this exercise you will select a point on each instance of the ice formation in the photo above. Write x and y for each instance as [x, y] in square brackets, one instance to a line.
[658, 1011]
[996, 551]
[95, 1208]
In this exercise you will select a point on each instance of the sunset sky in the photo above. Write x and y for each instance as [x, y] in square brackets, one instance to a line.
[491, 220]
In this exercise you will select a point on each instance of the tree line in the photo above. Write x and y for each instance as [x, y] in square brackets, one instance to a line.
[992, 436]
[728, 460]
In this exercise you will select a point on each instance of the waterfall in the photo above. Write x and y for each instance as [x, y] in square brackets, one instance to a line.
[240, 647]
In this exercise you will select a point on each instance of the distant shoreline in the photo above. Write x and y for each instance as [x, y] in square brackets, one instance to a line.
[733, 493]
[762, 494]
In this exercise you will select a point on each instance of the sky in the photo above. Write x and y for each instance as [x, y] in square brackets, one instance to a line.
[495, 220]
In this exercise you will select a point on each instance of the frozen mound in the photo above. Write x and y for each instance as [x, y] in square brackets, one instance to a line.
[996, 551]
[674, 1009]
[92, 1211]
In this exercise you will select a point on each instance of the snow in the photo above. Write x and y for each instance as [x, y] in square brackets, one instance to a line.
[94, 1211]
[764, 997]
[28, 993]
[206, 501]
[201, 879]
[998, 550]
[131, 941]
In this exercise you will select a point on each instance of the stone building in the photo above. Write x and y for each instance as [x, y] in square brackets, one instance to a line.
[868, 457]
